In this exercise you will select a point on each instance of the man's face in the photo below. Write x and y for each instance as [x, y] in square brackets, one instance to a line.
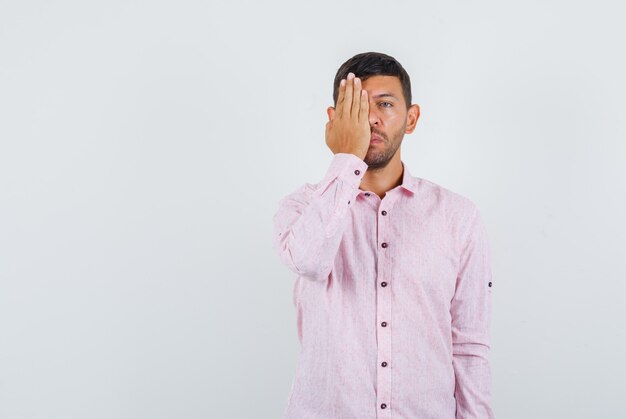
[387, 117]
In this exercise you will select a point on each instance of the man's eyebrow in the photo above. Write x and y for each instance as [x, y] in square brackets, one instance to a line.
[385, 94]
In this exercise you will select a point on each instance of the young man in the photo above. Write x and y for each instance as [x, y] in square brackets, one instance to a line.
[393, 288]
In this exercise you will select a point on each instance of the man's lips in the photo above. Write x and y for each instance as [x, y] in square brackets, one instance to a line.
[375, 139]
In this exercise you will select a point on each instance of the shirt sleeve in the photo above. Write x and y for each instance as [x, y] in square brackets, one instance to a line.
[310, 221]
[471, 315]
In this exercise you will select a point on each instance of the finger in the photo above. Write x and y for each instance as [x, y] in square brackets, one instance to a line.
[356, 99]
[340, 97]
[365, 106]
[347, 102]
[331, 112]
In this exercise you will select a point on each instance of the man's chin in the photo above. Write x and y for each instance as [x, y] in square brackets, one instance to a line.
[375, 160]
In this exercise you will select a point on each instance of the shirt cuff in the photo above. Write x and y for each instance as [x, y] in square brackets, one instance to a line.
[347, 167]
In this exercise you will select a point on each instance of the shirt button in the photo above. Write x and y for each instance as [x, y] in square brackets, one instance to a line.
[383, 284]
[384, 244]
[383, 406]
[384, 324]
[384, 364]
[489, 283]
[367, 194]
[357, 172]
[384, 212]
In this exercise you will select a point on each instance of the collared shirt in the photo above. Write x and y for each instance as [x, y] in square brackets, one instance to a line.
[392, 299]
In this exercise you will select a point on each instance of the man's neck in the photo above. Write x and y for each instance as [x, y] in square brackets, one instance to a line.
[381, 180]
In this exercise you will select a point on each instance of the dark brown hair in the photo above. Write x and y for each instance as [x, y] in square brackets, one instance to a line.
[367, 64]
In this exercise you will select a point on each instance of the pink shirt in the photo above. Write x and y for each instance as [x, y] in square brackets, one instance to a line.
[392, 299]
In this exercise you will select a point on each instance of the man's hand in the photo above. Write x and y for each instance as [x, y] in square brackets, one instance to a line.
[348, 130]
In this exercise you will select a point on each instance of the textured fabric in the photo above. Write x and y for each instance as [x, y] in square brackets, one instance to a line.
[392, 298]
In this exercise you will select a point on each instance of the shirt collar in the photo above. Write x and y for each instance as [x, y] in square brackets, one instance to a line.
[408, 181]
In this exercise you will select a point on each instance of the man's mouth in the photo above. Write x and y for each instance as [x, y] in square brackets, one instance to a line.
[375, 139]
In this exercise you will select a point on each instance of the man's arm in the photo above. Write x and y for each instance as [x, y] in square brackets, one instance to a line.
[471, 316]
[309, 223]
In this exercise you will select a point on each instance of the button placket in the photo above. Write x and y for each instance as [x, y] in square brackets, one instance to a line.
[383, 314]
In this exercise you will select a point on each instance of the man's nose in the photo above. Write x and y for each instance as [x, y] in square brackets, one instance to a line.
[373, 116]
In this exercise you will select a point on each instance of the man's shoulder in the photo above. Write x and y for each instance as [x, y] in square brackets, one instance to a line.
[443, 195]
[457, 209]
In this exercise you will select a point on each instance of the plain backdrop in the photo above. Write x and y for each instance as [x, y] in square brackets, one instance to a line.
[144, 146]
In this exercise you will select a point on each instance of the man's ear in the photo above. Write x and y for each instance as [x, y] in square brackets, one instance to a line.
[413, 115]
[331, 113]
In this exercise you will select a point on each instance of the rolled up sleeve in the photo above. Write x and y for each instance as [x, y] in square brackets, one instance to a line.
[471, 316]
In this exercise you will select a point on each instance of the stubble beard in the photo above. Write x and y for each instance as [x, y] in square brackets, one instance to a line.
[378, 157]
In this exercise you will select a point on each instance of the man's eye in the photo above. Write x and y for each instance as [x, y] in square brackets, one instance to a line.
[388, 103]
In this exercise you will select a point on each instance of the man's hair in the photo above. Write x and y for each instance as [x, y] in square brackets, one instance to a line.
[367, 64]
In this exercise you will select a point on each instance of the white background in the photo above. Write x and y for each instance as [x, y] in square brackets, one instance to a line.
[144, 146]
